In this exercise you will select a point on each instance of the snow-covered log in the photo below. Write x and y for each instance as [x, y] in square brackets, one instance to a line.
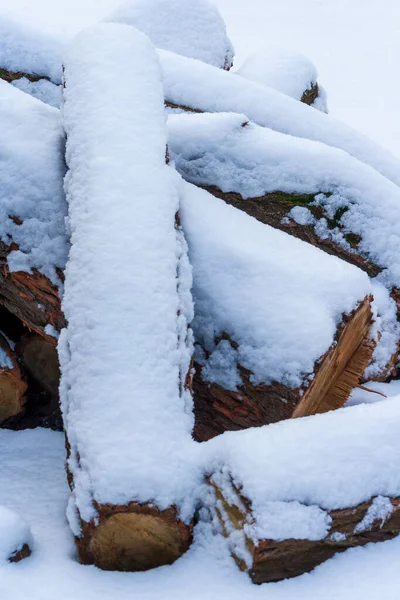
[30, 61]
[33, 240]
[194, 85]
[192, 28]
[282, 328]
[15, 537]
[288, 72]
[312, 191]
[126, 353]
[291, 495]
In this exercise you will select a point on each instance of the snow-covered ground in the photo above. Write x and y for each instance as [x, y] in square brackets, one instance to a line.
[355, 44]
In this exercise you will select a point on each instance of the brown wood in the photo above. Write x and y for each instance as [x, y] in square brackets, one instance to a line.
[31, 297]
[10, 76]
[309, 96]
[25, 552]
[133, 538]
[39, 357]
[12, 385]
[273, 560]
[336, 374]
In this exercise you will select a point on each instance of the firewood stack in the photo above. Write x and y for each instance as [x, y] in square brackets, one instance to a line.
[254, 273]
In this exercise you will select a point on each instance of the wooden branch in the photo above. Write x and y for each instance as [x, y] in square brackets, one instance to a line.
[336, 374]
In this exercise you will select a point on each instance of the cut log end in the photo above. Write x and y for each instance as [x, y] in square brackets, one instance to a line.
[138, 538]
[342, 367]
[269, 561]
[12, 385]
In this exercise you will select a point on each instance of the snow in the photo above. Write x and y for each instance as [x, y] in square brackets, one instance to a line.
[31, 172]
[218, 150]
[125, 353]
[189, 82]
[281, 69]
[324, 463]
[192, 28]
[43, 90]
[26, 50]
[14, 534]
[277, 297]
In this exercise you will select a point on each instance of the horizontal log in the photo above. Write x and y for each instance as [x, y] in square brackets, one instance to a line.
[274, 560]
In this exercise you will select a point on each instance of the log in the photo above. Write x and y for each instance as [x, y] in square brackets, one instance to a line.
[340, 370]
[290, 496]
[12, 384]
[127, 499]
[253, 321]
[271, 560]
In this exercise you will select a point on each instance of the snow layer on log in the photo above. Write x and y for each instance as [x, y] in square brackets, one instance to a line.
[278, 298]
[332, 461]
[32, 202]
[281, 69]
[192, 28]
[43, 90]
[194, 84]
[26, 50]
[122, 358]
[226, 151]
[14, 536]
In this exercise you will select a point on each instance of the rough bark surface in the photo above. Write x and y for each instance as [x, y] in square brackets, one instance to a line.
[133, 538]
[10, 76]
[29, 296]
[273, 560]
[337, 373]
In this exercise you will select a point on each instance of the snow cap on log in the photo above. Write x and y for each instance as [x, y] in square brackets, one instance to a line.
[15, 537]
[194, 85]
[268, 310]
[31, 61]
[338, 490]
[286, 71]
[192, 28]
[310, 190]
[126, 353]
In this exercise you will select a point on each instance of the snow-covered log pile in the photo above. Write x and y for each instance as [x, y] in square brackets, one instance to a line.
[126, 406]
[340, 488]
[292, 305]
[282, 328]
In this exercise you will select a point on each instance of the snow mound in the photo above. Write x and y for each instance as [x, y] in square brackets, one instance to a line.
[194, 84]
[126, 352]
[281, 69]
[26, 50]
[193, 28]
[32, 202]
[14, 534]
[43, 90]
[291, 470]
[277, 297]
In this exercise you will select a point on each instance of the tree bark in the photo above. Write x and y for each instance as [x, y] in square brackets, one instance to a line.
[336, 374]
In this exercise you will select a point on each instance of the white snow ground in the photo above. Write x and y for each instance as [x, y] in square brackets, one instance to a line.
[355, 45]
